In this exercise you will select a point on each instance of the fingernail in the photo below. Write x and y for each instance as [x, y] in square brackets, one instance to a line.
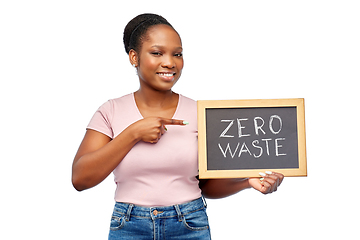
[165, 128]
[185, 122]
[268, 172]
[262, 174]
[261, 179]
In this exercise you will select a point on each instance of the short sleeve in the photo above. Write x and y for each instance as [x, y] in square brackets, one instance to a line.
[101, 120]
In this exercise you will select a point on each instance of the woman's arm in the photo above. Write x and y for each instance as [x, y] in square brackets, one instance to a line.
[98, 155]
[220, 188]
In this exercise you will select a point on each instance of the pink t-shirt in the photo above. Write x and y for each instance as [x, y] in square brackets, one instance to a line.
[159, 174]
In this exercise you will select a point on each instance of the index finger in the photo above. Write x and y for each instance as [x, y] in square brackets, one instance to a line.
[167, 121]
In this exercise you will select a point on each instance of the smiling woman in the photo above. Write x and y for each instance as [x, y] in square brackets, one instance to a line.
[161, 60]
[155, 178]
[155, 167]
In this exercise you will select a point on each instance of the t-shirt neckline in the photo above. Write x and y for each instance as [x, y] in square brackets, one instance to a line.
[142, 117]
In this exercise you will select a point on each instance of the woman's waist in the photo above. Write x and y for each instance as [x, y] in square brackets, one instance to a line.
[160, 211]
[157, 193]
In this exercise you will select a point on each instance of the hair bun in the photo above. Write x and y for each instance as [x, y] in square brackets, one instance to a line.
[137, 27]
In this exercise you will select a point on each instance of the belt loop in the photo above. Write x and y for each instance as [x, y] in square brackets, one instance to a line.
[178, 211]
[203, 199]
[127, 216]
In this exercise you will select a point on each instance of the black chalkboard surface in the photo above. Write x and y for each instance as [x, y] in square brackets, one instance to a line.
[240, 138]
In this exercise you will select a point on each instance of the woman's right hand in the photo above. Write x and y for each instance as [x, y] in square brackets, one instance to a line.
[152, 128]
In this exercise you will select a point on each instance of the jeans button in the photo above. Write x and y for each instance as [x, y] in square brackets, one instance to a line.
[155, 212]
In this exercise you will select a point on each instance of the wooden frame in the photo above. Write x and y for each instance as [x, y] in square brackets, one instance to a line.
[204, 173]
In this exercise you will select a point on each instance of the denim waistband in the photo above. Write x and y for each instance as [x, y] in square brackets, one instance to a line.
[179, 210]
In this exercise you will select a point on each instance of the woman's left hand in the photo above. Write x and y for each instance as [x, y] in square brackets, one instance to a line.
[269, 182]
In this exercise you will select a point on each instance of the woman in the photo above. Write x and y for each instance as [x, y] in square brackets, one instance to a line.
[148, 139]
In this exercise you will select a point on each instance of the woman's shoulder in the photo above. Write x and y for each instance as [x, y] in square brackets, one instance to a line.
[125, 98]
[111, 106]
[187, 108]
[119, 100]
[187, 101]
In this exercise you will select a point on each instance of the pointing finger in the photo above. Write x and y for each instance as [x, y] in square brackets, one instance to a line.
[166, 121]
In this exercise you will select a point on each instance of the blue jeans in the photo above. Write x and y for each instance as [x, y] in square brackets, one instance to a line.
[184, 221]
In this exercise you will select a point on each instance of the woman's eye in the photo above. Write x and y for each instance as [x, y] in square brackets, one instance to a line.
[178, 55]
[156, 53]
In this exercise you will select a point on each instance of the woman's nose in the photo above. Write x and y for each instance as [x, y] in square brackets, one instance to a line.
[168, 62]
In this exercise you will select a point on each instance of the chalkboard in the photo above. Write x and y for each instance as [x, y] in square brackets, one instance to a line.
[240, 138]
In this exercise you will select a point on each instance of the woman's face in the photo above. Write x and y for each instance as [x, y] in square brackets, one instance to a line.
[160, 60]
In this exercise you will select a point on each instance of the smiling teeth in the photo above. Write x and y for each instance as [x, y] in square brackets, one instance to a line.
[166, 74]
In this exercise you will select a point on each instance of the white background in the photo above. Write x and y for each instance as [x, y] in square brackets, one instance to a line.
[60, 60]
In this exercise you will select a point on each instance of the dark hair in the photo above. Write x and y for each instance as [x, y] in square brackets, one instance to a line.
[135, 30]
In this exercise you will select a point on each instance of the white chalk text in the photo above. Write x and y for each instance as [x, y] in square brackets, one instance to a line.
[255, 148]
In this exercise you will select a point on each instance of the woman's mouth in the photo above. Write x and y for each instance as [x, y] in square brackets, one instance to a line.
[167, 76]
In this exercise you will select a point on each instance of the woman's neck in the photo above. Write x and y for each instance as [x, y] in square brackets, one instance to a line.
[156, 99]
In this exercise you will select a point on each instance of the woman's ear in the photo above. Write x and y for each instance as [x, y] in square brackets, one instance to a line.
[133, 57]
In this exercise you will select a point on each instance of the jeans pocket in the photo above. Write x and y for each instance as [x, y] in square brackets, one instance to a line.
[117, 223]
[196, 221]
